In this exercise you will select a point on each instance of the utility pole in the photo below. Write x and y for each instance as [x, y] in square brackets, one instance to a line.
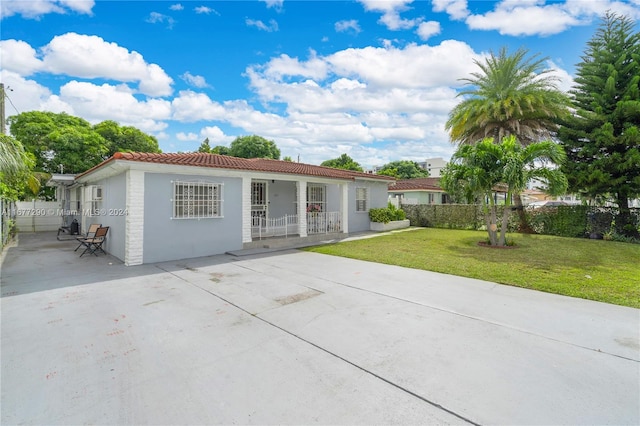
[2, 122]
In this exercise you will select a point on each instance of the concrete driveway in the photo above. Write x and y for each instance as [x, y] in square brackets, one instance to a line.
[299, 338]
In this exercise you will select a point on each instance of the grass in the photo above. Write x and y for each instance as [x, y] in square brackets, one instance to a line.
[605, 271]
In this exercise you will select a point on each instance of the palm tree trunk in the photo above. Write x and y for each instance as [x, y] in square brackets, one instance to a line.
[492, 228]
[503, 227]
[523, 226]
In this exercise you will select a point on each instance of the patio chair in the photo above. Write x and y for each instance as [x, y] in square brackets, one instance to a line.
[91, 232]
[94, 244]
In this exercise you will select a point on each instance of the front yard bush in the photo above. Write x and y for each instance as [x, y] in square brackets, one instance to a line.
[386, 214]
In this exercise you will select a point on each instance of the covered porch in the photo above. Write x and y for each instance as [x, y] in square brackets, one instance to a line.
[293, 209]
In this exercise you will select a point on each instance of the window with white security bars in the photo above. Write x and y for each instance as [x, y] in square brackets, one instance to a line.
[197, 200]
[362, 199]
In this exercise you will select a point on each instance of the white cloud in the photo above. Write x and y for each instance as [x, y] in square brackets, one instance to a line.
[533, 17]
[194, 80]
[426, 30]
[285, 65]
[456, 9]
[347, 25]
[27, 95]
[19, 56]
[35, 9]
[205, 10]
[513, 20]
[98, 103]
[181, 136]
[565, 81]
[391, 13]
[190, 106]
[92, 57]
[176, 7]
[416, 66]
[155, 18]
[275, 4]
[329, 100]
[272, 27]
[215, 135]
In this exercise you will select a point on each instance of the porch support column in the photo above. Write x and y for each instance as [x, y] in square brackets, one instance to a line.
[134, 222]
[246, 209]
[302, 207]
[344, 207]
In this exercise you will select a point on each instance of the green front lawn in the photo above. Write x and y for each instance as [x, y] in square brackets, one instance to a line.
[605, 271]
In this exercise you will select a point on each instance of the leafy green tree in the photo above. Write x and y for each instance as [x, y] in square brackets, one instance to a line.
[343, 162]
[403, 169]
[34, 129]
[76, 149]
[71, 142]
[602, 138]
[478, 169]
[204, 146]
[254, 147]
[287, 158]
[220, 149]
[125, 138]
[512, 94]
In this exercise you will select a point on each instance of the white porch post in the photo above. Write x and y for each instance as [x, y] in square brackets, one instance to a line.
[246, 210]
[302, 207]
[344, 207]
[134, 222]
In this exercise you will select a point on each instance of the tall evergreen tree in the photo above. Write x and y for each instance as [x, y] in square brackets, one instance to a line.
[602, 139]
[205, 146]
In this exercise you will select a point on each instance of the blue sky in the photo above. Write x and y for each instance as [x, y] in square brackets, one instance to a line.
[373, 79]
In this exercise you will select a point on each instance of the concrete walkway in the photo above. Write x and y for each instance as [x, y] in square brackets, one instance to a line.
[298, 338]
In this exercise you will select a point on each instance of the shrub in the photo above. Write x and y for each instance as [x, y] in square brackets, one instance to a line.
[386, 214]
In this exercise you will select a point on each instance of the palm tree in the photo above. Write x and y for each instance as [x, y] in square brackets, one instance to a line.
[511, 95]
[15, 167]
[482, 167]
[11, 156]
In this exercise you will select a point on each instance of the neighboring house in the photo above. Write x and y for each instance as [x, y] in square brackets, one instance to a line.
[163, 207]
[419, 191]
[428, 191]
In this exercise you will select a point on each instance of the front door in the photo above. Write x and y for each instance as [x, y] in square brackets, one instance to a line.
[259, 201]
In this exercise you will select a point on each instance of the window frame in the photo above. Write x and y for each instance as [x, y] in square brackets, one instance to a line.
[360, 199]
[206, 201]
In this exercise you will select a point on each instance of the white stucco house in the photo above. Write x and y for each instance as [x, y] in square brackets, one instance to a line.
[170, 206]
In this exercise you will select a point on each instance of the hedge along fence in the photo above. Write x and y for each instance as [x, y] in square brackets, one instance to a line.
[452, 216]
[578, 221]
[564, 221]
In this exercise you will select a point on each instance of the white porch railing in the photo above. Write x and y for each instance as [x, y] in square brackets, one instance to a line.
[287, 225]
[324, 222]
[261, 227]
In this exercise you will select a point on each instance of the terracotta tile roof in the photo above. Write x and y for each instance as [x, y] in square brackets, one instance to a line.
[417, 184]
[201, 159]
